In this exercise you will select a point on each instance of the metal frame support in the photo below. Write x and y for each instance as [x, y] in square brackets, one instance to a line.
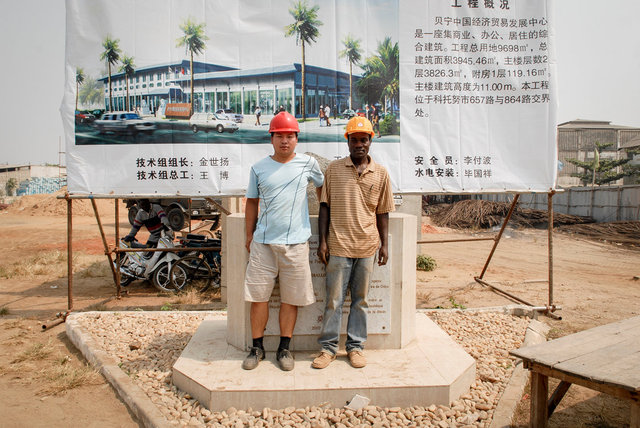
[550, 308]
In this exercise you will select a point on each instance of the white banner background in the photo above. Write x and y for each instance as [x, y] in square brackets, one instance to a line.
[456, 148]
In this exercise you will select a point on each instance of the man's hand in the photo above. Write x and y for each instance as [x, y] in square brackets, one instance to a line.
[169, 233]
[383, 255]
[323, 252]
[248, 243]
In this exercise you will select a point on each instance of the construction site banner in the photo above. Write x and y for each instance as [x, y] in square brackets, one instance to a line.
[171, 97]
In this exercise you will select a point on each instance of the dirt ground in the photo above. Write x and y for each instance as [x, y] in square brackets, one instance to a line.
[44, 381]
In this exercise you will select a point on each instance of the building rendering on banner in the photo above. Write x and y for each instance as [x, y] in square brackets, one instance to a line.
[219, 87]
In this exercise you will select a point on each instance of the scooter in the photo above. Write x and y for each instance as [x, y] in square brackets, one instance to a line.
[155, 266]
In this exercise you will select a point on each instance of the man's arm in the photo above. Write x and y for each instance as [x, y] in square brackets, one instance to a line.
[135, 227]
[382, 223]
[250, 220]
[323, 230]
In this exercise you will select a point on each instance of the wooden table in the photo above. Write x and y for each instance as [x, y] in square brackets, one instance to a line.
[605, 359]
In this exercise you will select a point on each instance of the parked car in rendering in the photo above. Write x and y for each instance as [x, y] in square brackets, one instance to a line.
[84, 117]
[124, 123]
[348, 113]
[209, 121]
[231, 115]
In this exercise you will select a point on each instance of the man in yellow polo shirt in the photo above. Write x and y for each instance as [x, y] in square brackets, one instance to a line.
[353, 223]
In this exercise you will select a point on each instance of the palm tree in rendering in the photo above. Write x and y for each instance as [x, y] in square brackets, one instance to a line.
[305, 27]
[353, 53]
[194, 41]
[128, 68]
[111, 55]
[91, 92]
[381, 74]
[79, 81]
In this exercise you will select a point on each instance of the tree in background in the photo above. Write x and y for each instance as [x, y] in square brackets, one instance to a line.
[79, 81]
[194, 41]
[380, 80]
[11, 186]
[603, 171]
[353, 53]
[128, 68]
[305, 28]
[111, 55]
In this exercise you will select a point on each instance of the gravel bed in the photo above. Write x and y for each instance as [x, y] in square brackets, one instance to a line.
[146, 347]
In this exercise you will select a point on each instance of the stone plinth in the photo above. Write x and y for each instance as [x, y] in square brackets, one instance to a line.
[431, 369]
[391, 299]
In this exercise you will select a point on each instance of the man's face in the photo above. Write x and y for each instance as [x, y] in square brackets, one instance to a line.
[284, 143]
[145, 205]
[359, 143]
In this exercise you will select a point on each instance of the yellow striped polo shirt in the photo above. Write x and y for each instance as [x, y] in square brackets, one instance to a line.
[354, 200]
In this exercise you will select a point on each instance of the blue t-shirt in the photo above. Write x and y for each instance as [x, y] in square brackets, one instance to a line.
[282, 189]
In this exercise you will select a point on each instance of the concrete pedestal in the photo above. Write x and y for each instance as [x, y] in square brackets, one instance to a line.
[391, 299]
[432, 369]
[410, 361]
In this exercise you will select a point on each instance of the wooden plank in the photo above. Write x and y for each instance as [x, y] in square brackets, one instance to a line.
[618, 365]
[587, 383]
[556, 397]
[635, 415]
[539, 416]
[574, 345]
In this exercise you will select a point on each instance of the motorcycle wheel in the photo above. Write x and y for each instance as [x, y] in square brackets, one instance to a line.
[161, 279]
[124, 279]
[192, 271]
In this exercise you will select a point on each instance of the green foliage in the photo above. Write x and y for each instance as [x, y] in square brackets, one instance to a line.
[425, 263]
[4, 311]
[11, 186]
[305, 23]
[90, 94]
[606, 170]
[128, 68]
[380, 79]
[193, 38]
[167, 307]
[454, 304]
[305, 28]
[389, 125]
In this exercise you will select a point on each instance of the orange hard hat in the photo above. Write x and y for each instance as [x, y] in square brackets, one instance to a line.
[284, 122]
[359, 124]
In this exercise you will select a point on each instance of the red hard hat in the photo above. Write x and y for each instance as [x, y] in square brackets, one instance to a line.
[284, 122]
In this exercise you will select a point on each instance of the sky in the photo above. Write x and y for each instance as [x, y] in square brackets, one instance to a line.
[597, 54]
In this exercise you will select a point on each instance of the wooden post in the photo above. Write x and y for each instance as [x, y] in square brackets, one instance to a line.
[69, 254]
[635, 415]
[497, 239]
[104, 243]
[539, 390]
[550, 245]
[118, 256]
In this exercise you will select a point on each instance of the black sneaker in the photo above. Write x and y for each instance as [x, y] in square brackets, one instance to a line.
[285, 359]
[255, 356]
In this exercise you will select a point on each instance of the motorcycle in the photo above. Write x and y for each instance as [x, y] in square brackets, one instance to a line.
[155, 266]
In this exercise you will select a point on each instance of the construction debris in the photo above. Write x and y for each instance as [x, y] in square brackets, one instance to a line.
[480, 214]
[619, 232]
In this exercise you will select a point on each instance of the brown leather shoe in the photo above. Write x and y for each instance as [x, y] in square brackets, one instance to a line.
[357, 359]
[323, 360]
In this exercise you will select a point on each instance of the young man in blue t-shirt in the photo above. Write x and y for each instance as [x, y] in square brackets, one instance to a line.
[278, 230]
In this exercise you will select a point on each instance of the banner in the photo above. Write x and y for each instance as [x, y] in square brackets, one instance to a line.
[170, 97]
